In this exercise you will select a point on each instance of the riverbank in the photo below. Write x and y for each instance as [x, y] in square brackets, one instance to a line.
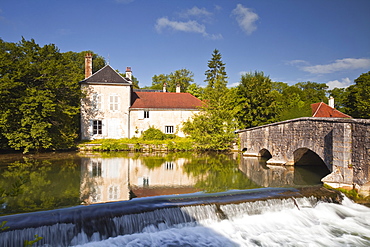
[138, 144]
[141, 145]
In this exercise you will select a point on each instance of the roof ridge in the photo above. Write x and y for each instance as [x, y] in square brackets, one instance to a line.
[317, 109]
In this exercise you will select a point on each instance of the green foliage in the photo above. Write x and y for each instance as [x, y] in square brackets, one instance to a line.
[340, 95]
[32, 185]
[183, 77]
[39, 96]
[153, 134]
[3, 227]
[213, 128]
[255, 100]
[217, 172]
[358, 98]
[31, 242]
[216, 77]
[196, 90]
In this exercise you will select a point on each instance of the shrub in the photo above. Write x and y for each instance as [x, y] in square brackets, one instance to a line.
[153, 134]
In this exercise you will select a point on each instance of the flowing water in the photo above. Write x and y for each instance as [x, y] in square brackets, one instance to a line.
[121, 199]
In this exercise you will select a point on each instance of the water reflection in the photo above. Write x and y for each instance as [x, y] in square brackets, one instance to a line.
[282, 176]
[54, 181]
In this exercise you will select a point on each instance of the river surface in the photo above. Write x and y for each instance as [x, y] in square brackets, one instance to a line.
[69, 181]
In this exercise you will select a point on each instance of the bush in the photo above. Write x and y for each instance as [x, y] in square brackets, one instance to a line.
[153, 134]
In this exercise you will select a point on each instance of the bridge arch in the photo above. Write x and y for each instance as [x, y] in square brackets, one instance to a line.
[342, 144]
[265, 153]
[305, 156]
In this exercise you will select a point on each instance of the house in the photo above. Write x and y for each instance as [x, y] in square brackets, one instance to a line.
[323, 110]
[112, 109]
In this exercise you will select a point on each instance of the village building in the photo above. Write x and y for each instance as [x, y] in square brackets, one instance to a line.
[323, 110]
[112, 109]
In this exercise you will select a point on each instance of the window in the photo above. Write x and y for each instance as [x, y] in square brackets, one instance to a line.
[96, 102]
[146, 114]
[96, 169]
[97, 127]
[113, 192]
[168, 129]
[168, 165]
[113, 102]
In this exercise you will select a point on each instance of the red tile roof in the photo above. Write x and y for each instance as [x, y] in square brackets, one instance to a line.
[323, 110]
[165, 100]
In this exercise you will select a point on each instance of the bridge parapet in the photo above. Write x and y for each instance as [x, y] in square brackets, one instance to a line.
[342, 144]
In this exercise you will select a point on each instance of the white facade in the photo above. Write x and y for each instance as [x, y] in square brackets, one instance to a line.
[108, 110]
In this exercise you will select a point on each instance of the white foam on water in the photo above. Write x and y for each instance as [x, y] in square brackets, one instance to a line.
[300, 223]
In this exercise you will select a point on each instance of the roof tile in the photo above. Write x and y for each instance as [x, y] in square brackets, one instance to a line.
[165, 100]
[323, 110]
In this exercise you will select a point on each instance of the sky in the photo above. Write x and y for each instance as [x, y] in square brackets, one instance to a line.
[291, 41]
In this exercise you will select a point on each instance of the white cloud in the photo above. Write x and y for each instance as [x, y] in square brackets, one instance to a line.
[189, 26]
[339, 84]
[339, 65]
[297, 62]
[195, 12]
[246, 18]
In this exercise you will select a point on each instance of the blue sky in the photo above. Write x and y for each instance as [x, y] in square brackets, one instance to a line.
[326, 41]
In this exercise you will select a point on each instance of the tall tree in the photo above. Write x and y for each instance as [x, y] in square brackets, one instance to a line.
[358, 101]
[255, 100]
[216, 77]
[213, 128]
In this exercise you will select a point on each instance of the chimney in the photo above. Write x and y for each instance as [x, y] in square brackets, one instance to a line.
[164, 87]
[178, 88]
[128, 73]
[88, 65]
[331, 102]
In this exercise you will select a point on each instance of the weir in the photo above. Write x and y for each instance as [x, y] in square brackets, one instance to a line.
[83, 224]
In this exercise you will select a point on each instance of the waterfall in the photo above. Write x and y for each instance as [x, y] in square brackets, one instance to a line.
[84, 224]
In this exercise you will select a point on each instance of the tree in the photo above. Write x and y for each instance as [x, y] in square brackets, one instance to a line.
[216, 77]
[181, 77]
[196, 90]
[340, 95]
[39, 95]
[256, 102]
[213, 128]
[358, 100]
[312, 92]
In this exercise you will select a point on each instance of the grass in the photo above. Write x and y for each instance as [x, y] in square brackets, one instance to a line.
[138, 144]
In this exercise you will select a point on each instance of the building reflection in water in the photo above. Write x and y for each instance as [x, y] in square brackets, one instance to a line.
[105, 179]
[122, 178]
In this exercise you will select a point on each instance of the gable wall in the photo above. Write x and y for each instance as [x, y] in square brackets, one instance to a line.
[115, 122]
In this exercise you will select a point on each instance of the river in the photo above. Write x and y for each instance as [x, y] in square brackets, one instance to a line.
[176, 199]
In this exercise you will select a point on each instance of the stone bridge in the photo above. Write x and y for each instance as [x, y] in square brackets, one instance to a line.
[343, 145]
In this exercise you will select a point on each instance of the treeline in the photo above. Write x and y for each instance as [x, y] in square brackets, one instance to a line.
[40, 98]
[257, 101]
[40, 95]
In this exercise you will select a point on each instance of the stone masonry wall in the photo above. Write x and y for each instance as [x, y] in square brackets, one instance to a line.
[343, 145]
